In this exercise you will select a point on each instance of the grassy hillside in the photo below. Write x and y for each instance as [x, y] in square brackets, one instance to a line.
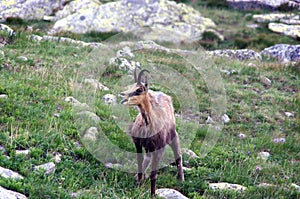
[36, 89]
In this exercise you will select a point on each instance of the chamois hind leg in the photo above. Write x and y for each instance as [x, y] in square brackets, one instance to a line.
[155, 159]
[178, 158]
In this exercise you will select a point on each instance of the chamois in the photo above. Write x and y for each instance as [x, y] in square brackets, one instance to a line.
[153, 129]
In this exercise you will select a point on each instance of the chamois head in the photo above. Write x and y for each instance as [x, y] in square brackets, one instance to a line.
[136, 93]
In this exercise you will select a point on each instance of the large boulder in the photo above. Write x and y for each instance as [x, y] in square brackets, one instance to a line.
[286, 24]
[262, 4]
[29, 9]
[160, 19]
[283, 52]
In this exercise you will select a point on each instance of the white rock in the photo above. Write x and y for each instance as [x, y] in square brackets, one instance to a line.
[266, 81]
[190, 153]
[48, 167]
[264, 155]
[3, 96]
[75, 102]
[251, 64]
[288, 114]
[225, 118]
[125, 52]
[49, 18]
[96, 84]
[57, 158]
[7, 173]
[297, 187]
[113, 166]
[8, 194]
[56, 114]
[109, 99]
[169, 194]
[36, 37]
[227, 186]
[22, 58]
[23, 152]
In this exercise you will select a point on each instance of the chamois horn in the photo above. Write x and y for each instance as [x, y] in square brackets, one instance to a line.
[140, 75]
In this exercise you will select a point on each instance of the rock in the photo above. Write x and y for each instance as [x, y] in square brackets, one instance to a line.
[165, 20]
[22, 58]
[36, 37]
[283, 52]
[47, 167]
[264, 155]
[225, 118]
[7, 173]
[113, 166]
[29, 9]
[56, 114]
[75, 102]
[295, 186]
[241, 55]
[229, 72]
[109, 99]
[242, 136]
[288, 114]
[8, 194]
[57, 158]
[278, 17]
[261, 4]
[124, 64]
[90, 134]
[96, 84]
[209, 120]
[169, 194]
[22, 152]
[266, 81]
[227, 186]
[285, 29]
[3, 96]
[253, 26]
[6, 28]
[190, 153]
[125, 53]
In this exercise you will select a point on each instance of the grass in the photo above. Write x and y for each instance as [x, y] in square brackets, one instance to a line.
[36, 89]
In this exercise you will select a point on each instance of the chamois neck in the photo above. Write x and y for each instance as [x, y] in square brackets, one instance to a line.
[145, 109]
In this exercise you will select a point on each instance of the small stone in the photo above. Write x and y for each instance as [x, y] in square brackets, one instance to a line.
[36, 37]
[109, 99]
[8, 194]
[29, 28]
[78, 145]
[288, 114]
[22, 58]
[227, 186]
[169, 194]
[242, 136]
[48, 167]
[22, 152]
[264, 155]
[225, 118]
[190, 153]
[113, 166]
[7, 173]
[266, 81]
[251, 65]
[90, 134]
[96, 84]
[75, 102]
[297, 187]
[56, 114]
[125, 52]
[3, 96]
[57, 158]
[49, 18]
[209, 120]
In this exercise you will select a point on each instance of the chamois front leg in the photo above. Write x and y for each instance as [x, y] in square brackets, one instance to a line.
[139, 151]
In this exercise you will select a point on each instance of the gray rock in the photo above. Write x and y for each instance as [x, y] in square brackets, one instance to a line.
[227, 186]
[190, 153]
[96, 84]
[90, 135]
[225, 118]
[261, 4]
[75, 102]
[7, 173]
[6, 28]
[295, 186]
[109, 99]
[22, 58]
[264, 155]
[285, 29]
[289, 114]
[8, 194]
[125, 53]
[170, 194]
[283, 52]
[289, 18]
[241, 55]
[22, 152]
[166, 20]
[47, 167]
[266, 81]
[29, 9]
